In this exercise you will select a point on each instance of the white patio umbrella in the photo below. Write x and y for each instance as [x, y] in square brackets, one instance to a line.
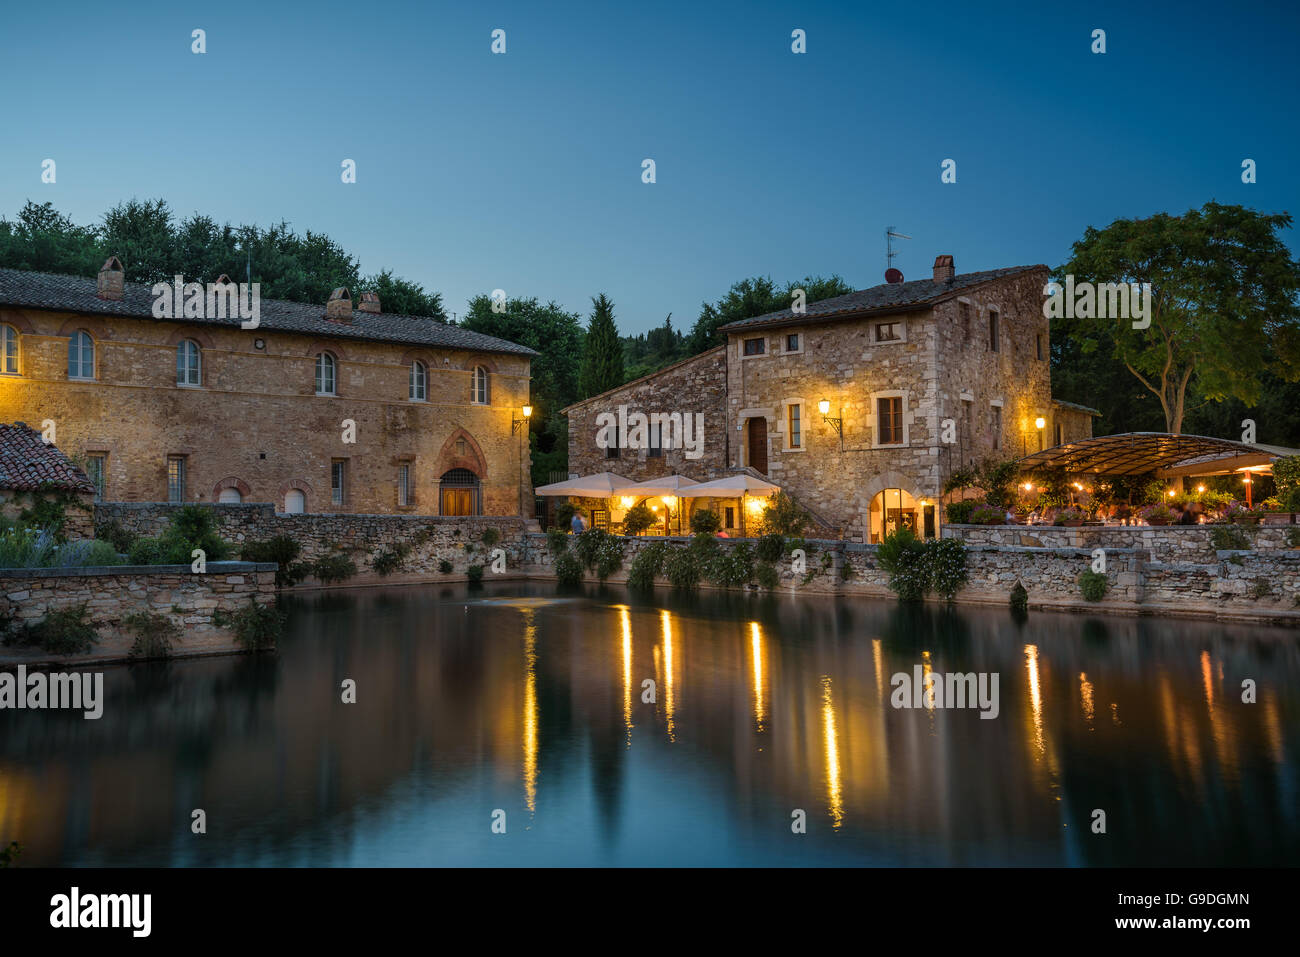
[667, 485]
[600, 485]
[732, 486]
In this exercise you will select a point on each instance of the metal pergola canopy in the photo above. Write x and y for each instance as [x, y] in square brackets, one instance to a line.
[1137, 453]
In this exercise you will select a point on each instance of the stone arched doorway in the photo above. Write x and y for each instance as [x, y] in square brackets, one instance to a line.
[891, 501]
[460, 493]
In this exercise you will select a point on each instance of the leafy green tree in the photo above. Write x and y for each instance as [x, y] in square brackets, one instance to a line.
[602, 354]
[756, 297]
[1224, 303]
[558, 338]
[44, 240]
[403, 297]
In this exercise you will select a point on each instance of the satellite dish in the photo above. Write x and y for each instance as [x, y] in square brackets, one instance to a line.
[893, 276]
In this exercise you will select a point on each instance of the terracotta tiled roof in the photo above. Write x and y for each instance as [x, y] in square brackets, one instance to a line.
[883, 299]
[44, 290]
[28, 464]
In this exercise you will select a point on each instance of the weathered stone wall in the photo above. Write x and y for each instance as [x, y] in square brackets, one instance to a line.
[112, 593]
[255, 423]
[1263, 585]
[431, 538]
[79, 515]
[695, 385]
[1167, 543]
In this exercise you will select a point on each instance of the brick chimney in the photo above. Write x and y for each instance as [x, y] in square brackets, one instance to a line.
[339, 307]
[943, 268]
[370, 302]
[112, 280]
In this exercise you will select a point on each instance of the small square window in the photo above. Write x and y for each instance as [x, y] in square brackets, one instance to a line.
[792, 342]
[887, 332]
[755, 347]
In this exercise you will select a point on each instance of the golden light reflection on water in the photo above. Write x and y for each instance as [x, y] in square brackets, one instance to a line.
[876, 656]
[756, 649]
[1085, 699]
[530, 711]
[1207, 679]
[834, 796]
[626, 620]
[669, 703]
[1035, 700]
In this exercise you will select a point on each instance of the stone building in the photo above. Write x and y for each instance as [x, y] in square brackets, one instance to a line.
[862, 405]
[32, 470]
[325, 408]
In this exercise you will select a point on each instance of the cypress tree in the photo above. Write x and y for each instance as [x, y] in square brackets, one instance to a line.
[602, 358]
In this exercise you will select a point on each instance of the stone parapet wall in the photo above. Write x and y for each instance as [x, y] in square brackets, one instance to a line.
[111, 593]
[1166, 543]
[431, 538]
[1262, 584]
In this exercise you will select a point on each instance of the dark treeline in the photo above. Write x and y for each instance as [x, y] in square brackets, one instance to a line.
[154, 245]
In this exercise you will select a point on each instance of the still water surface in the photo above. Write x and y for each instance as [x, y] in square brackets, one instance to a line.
[515, 698]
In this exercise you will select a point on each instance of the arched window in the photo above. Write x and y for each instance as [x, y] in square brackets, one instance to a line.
[229, 496]
[10, 349]
[418, 381]
[188, 359]
[81, 356]
[325, 374]
[460, 493]
[295, 501]
[482, 393]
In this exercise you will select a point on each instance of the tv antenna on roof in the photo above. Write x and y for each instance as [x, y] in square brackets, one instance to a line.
[892, 274]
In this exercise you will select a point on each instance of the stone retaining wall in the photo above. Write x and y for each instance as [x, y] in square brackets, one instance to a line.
[1263, 584]
[1166, 543]
[431, 538]
[111, 593]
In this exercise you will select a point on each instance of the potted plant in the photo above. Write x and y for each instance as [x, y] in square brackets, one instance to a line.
[988, 515]
[1069, 517]
[1274, 512]
[1156, 514]
[1238, 512]
[1021, 514]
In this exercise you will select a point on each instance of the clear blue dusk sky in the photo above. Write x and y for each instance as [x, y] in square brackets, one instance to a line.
[477, 171]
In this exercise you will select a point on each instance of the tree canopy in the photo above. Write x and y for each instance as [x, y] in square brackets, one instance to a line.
[1224, 317]
[602, 356]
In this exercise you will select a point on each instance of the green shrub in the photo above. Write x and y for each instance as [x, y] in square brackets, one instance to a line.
[332, 568]
[1093, 585]
[846, 570]
[1286, 473]
[444, 566]
[193, 526]
[586, 546]
[475, 573]
[733, 566]
[1229, 538]
[648, 564]
[391, 559]
[638, 519]
[766, 575]
[22, 547]
[705, 522]
[1019, 598]
[64, 632]
[255, 626]
[1293, 537]
[958, 513]
[154, 634]
[85, 553]
[945, 566]
[609, 556]
[9, 854]
[117, 536]
[771, 547]
[568, 569]
[781, 516]
[49, 510]
[490, 536]
[996, 478]
[564, 516]
[281, 549]
[557, 540]
[147, 551]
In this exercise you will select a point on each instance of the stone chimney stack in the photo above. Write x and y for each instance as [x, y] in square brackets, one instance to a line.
[339, 307]
[944, 269]
[112, 280]
[370, 302]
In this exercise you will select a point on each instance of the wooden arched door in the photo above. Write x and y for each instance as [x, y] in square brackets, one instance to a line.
[758, 444]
